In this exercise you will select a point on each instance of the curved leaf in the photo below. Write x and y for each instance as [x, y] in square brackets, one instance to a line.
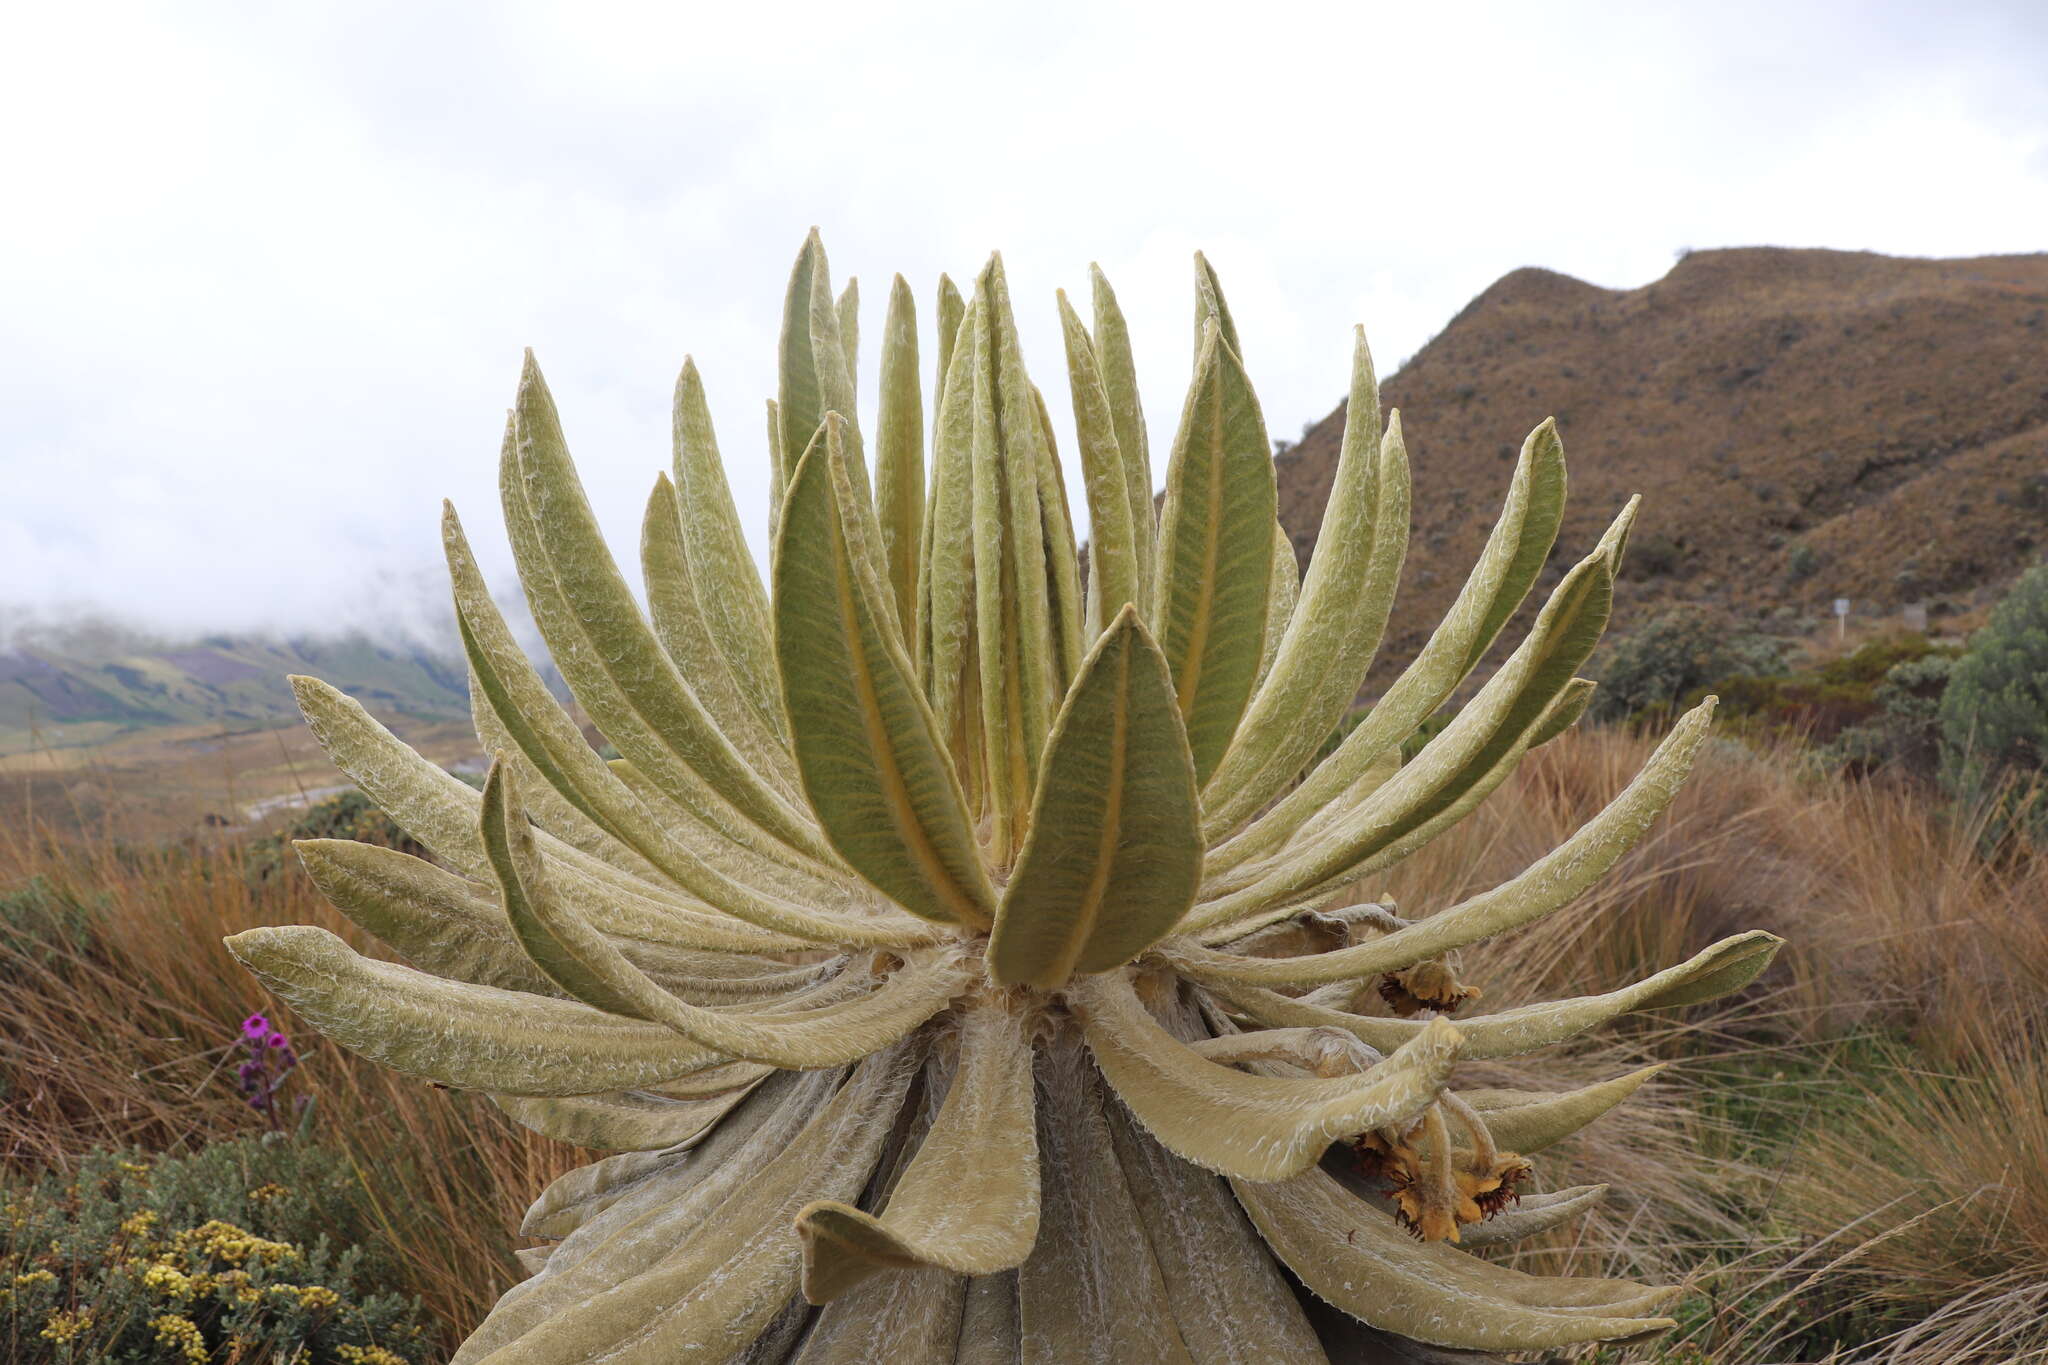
[968, 1201]
[1258, 1127]
[1726, 966]
[899, 454]
[1351, 1254]
[469, 1037]
[877, 774]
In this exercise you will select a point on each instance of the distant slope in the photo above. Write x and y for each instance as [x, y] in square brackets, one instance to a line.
[51, 696]
[1888, 415]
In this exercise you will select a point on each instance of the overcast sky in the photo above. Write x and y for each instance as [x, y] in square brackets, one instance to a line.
[266, 270]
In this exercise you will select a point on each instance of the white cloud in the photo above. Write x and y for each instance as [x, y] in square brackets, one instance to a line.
[267, 269]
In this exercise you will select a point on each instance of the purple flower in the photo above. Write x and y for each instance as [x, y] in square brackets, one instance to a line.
[254, 1027]
[277, 1039]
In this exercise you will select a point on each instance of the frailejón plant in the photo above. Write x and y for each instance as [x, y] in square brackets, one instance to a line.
[949, 951]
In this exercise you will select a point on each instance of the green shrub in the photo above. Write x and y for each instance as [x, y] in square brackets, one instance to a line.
[246, 1250]
[1994, 717]
[350, 815]
[1677, 652]
[1904, 734]
[41, 923]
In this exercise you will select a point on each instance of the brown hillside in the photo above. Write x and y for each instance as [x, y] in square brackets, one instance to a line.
[1889, 415]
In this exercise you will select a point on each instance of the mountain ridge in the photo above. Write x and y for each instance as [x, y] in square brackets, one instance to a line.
[1804, 424]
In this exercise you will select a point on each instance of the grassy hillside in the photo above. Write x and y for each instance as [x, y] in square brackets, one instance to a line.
[63, 695]
[1803, 425]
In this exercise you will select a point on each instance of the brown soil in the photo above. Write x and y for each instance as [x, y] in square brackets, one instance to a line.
[1888, 415]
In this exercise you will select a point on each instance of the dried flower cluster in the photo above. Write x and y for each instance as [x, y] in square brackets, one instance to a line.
[950, 952]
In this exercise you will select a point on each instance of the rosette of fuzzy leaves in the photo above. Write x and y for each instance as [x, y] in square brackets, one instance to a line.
[948, 954]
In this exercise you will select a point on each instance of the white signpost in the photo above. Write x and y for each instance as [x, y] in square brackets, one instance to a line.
[1841, 619]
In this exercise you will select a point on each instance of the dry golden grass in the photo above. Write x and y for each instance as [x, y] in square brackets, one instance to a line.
[121, 1036]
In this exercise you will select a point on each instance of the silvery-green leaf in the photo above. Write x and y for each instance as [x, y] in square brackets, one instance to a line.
[1547, 885]
[641, 1293]
[1258, 1127]
[469, 1037]
[1471, 750]
[1012, 608]
[948, 590]
[899, 453]
[441, 811]
[1351, 1254]
[1530, 1120]
[674, 607]
[620, 1121]
[778, 470]
[1281, 597]
[773, 1112]
[730, 595]
[814, 378]
[1065, 606]
[1715, 971]
[603, 645]
[1127, 416]
[1209, 306]
[1515, 550]
[1532, 1214]
[877, 773]
[1115, 846]
[1091, 1294]
[968, 1201]
[844, 1028]
[952, 309]
[1564, 713]
[1226, 1293]
[847, 314]
[1346, 597]
[1114, 576]
[1215, 553]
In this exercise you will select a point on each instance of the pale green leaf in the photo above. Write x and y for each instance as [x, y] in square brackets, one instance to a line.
[730, 595]
[469, 1037]
[1550, 883]
[899, 453]
[604, 647]
[1517, 546]
[621, 1121]
[1258, 1127]
[968, 1201]
[847, 314]
[1215, 553]
[1281, 597]
[1528, 1121]
[876, 771]
[1323, 656]
[1210, 306]
[1115, 846]
[1113, 572]
[1127, 417]
[1715, 971]
[1351, 1254]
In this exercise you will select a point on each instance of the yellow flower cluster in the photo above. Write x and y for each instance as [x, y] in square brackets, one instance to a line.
[182, 1335]
[226, 1242]
[367, 1355]
[311, 1297]
[139, 1224]
[263, 1194]
[168, 1280]
[63, 1326]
